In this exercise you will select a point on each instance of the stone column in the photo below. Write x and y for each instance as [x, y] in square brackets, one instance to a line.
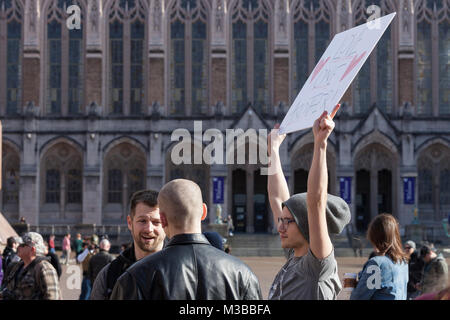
[219, 170]
[29, 169]
[406, 52]
[92, 171]
[157, 31]
[250, 227]
[155, 160]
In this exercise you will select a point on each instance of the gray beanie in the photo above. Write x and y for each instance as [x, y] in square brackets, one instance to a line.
[337, 213]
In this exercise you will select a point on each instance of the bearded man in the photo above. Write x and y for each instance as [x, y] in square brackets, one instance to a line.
[144, 223]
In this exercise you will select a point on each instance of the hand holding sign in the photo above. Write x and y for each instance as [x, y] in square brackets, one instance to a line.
[334, 73]
[324, 125]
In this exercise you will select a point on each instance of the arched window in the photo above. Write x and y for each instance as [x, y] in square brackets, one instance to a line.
[375, 81]
[124, 174]
[128, 64]
[251, 58]
[11, 31]
[65, 60]
[434, 182]
[189, 52]
[61, 184]
[424, 94]
[432, 58]
[311, 21]
[10, 182]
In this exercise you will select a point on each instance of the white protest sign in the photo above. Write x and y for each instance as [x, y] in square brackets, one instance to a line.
[334, 73]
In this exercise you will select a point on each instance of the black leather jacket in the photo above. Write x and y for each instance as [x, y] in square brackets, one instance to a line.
[189, 268]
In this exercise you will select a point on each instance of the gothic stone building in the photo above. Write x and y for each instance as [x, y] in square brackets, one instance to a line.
[88, 113]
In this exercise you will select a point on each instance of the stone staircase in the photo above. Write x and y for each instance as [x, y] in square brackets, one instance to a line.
[269, 245]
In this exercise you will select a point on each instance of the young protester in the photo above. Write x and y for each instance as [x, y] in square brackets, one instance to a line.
[304, 223]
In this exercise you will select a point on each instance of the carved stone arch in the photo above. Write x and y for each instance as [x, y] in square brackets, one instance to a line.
[375, 137]
[124, 139]
[421, 150]
[50, 143]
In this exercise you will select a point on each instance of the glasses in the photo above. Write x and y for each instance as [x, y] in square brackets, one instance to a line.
[407, 248]
[285, 222]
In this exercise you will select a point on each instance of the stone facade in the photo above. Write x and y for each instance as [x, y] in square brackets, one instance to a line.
[99, 158]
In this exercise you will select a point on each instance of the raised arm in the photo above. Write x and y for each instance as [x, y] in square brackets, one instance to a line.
[319, 242]
[277, 187]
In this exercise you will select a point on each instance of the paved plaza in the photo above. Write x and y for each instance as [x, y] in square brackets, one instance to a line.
[265, 269]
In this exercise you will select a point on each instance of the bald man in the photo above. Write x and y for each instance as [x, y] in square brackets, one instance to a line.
[189, 267]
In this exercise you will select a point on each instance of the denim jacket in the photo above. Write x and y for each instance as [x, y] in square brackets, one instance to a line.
[381, 279]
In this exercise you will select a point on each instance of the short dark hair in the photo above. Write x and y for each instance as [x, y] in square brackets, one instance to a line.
[10, 242]
[148, 197]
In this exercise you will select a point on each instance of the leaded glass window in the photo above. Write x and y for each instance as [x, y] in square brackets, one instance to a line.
[188, 65]
[10, 177]
[423, 63]
[444, 186]
[115, 186]
[384, 72]
[250, 55]
[425, 186]
[123, 174]
[74, 186]
[127, 57]
[311, 36]
[444, 67]
[11, 15]
[65, 60]
[53, 186]
[301, 70]
[375, 81]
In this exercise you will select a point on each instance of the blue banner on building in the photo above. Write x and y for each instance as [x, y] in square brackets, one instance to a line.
[346, 188]
[408, 190]
[218, 189]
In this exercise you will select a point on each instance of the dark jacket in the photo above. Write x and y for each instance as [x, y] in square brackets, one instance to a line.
[107, 277]
[97, 263]
[8, 256]
[415, 267]
[189, 268]
[435, 275]
[54, 260]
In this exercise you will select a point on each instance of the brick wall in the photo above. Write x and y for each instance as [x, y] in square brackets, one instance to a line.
[31, 80]
[156, 81]
[93, 81]
[218, 80]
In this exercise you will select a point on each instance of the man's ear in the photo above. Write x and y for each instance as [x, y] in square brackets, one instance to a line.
[205, 211]
[129, 222]
[163, 218]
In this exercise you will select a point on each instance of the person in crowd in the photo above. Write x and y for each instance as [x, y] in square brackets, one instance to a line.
[54, 260]
[66, 249]
[144, 223]
[415, 267]
[385, 275]
[51, 243]
[214, 238]
[84, 258]
[304, 222]
[230, 225]
[10, 252]
[189, 267]
[34, 277]
[99, 260]
[435, 271]
[78, 245]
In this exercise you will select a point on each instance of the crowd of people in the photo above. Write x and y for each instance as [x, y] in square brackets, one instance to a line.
[171, 258]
